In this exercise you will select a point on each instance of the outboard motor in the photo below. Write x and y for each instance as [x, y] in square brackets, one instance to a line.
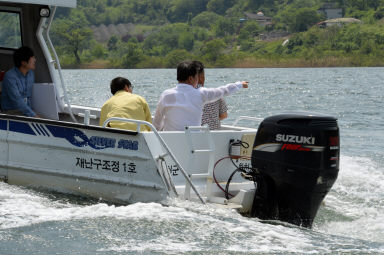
[296, 157]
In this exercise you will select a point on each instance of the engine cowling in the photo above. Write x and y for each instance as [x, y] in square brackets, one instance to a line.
[296, 156]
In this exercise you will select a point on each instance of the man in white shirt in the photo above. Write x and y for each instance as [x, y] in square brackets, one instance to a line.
[182, 106]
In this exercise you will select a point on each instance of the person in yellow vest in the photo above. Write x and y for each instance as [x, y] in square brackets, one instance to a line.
[124, 104]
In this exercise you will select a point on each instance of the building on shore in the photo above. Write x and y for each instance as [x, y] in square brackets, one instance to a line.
[260, 18]
[331, 11]
[337, 22]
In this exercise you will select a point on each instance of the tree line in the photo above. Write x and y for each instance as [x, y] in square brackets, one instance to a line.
[219, 33]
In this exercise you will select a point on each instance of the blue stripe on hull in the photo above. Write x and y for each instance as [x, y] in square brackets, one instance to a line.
[74, 136]
[78, 138]
[20, 127]
[3, 125]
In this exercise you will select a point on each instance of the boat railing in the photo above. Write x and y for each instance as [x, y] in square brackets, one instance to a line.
[245, 118]
[87, 116]
[163, 143]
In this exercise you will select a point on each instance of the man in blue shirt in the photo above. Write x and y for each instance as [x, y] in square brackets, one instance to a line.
[17, 84]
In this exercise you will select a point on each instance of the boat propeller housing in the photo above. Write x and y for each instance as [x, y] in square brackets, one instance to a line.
[296, 160]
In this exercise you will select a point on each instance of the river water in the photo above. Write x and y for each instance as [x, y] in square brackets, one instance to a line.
[351, 221]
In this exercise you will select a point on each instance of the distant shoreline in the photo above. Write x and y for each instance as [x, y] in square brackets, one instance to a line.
[262, 63]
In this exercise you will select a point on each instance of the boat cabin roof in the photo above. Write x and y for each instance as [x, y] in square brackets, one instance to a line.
[59, 3]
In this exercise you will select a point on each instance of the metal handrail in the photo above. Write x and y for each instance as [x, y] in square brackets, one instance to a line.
[63, 87]
[162, 142]
[47, 55]
[245, 118]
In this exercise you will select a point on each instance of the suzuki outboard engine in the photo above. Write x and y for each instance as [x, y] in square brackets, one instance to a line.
[296, 156]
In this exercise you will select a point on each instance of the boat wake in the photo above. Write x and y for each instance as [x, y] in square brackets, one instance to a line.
[352, 215]
[355, 205]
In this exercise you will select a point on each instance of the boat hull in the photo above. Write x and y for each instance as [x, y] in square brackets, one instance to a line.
[72, 158]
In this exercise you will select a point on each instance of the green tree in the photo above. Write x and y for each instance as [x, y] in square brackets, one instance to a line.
[298, 20]
[219, 6]
[250, 30]
[213, 49]
[212, 37]
[247, 45]
[73, 34]
[364, 5]
[181, 10]
[132, 54]
[186, 41]
[294, 44]
[176, 56]
[224, 27]
[205, 19]
[112, 43]
[256, 4]
[99, 51]
[170, 37]
[311, 38]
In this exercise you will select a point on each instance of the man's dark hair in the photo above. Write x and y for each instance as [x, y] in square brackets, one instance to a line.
[186, 69]
[199, 65]
[22, 54]
[119, 83]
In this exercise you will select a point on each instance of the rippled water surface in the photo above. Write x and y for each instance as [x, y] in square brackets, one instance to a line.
[351, 221]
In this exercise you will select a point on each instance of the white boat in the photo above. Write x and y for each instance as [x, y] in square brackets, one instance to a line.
[282, 170]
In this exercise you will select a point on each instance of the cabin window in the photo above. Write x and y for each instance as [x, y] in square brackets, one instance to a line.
[10, 31]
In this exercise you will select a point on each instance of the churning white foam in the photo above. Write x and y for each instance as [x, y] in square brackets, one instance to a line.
[192, 227]
[205, 228]
[358, 195]
[189, 224]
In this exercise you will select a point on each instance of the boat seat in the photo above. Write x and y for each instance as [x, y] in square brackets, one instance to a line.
[44, 101]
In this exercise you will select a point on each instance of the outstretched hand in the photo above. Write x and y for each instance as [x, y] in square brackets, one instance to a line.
[245, 84]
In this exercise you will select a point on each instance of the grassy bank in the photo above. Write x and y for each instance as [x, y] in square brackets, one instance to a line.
[252, 62]
[314, 62]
